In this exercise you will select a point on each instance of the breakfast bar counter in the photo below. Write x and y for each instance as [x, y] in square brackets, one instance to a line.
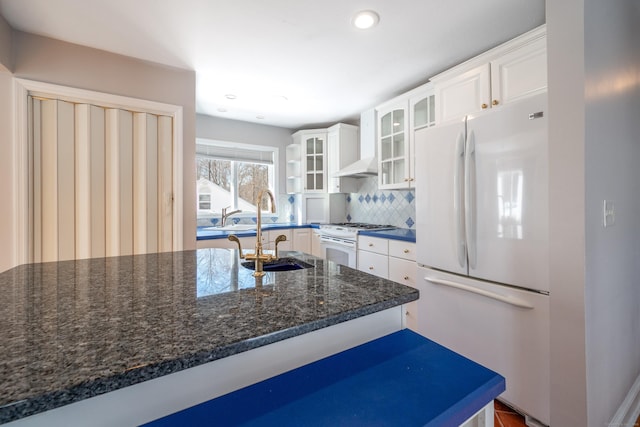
[75, 331]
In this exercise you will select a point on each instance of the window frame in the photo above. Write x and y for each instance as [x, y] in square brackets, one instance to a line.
[273, 173]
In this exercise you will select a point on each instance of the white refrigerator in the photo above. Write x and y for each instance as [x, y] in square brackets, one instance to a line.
[481, 209]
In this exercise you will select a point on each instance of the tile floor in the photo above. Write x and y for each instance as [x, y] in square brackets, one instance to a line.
[506, 417]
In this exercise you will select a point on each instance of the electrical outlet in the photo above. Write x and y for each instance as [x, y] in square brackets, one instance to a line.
[608, 213]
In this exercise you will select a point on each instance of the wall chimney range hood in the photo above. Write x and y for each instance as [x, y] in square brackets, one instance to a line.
[368, 164]
[361, 169]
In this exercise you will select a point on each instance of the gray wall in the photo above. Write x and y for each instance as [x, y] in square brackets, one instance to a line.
[7, 252]
[247, 133]
[594, 103]
[612, 120]
[5, 45]
[47, 60]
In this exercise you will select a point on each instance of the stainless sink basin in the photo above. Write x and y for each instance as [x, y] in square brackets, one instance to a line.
[281, 264]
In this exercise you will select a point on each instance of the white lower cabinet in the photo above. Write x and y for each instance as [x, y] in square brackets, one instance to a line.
[298, 239]
[373, 263]
[316, 244]
[269, 237]
[246, 242]
[394, 260]
[302, 240]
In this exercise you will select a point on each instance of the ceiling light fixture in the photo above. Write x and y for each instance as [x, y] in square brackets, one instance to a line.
[230, 96]
[365, 19]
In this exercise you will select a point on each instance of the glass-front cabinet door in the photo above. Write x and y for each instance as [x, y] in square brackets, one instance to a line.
[315, 162]
[397, 122]
[392, 147]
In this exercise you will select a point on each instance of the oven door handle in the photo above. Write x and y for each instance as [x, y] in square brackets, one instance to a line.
[332, 241]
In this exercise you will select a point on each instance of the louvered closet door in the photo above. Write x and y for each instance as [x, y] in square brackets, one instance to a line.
[101, 181]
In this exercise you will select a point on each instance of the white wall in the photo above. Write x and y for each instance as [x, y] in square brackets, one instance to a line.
[247, 133]
[565, 43]
[594, 105]
[47, 60]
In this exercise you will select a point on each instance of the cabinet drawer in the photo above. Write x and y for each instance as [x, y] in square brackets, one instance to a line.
[401, 249]
[373, 244]
[376, 264]
[402, 271]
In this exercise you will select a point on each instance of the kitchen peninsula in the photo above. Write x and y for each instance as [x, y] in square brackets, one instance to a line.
[160, 331]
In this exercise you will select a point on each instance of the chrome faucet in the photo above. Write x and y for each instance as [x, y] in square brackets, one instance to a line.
[259, 256]
[225, 215]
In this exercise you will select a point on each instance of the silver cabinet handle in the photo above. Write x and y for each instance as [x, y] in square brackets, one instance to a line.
[509, 300]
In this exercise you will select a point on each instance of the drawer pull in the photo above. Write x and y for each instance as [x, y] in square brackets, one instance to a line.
[406, 251]
[370, 245]
[406, 277]
[371, 268]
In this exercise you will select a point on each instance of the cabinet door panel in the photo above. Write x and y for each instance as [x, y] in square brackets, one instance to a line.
[373, 244]
[467, 93]
[372, 263]
[402, 271]
[402, 249]
[520, 73]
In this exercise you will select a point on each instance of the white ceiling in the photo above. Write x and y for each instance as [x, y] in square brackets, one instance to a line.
[303, 50]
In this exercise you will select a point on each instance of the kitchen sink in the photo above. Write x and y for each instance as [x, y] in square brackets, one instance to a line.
[281, 264]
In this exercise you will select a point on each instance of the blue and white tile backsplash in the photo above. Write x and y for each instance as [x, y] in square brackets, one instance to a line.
[392, 207]
[285, 213]
[374, 206]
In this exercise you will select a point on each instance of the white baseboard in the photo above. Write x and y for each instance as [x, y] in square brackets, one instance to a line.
[629, 410]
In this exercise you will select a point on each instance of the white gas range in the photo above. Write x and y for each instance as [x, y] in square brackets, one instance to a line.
[340, 240]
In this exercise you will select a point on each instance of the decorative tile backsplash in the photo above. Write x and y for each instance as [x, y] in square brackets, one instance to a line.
[387, 207]
[371, 205]
[285, 212]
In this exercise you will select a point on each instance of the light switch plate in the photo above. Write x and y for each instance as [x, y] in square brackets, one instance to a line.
[608, 213]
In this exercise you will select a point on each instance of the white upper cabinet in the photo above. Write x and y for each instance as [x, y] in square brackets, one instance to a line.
[309, 170]
[511, 71]
[316, 155]
[397, 121]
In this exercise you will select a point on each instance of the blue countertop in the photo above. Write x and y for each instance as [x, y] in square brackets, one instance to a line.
[405, 234]
[209, 232]
[402, 379]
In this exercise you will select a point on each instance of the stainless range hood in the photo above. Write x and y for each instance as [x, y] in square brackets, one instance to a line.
[368, 164]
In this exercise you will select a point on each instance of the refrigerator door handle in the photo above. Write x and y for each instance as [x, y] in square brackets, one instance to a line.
[506, 299]
[458, 200]
[470, 198]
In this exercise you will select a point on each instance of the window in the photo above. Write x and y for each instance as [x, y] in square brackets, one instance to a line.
[231, 175]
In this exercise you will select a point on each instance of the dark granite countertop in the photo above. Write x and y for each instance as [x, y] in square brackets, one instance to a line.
[76, 329]
[405, 234]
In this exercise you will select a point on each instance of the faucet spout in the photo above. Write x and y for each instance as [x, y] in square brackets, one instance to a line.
[225, 215]
[258, 256]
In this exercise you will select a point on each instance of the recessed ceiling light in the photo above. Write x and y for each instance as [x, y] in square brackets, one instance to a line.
[260, 117]
[365, 19]
[230, 96]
